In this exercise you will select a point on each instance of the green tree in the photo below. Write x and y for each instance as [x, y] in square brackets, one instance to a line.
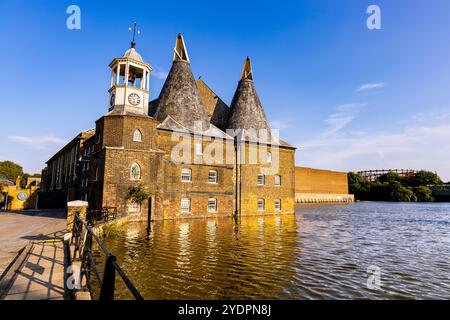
[423, 194]
[399, 193]
[359, 186]
[10, 170]
[423, 178]
[389, 177]
[138, 193]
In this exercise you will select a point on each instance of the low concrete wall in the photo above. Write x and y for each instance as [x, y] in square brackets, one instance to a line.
[323, 198]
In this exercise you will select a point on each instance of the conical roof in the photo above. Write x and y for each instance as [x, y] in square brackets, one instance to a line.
[246, 112]
[179, 97]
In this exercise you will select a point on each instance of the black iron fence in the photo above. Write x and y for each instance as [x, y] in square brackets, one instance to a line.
[103, 215]
[82, 240]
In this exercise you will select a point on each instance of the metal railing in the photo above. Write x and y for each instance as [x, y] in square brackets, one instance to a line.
[104, 215]
[82, 240]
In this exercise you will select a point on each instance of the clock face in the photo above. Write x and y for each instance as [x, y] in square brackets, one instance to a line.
[112, 100]
[22, 196]
[134, 99]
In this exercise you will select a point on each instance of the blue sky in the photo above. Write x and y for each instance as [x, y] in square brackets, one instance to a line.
[350, 98]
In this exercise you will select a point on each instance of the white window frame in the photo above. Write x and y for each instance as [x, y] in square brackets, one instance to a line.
[213, 176]
[263, 177]
[186, 175]
[134, 207]
[277, 183]
[261, 205]
[137, 135]
[269, 157]
[212, 205]
[131, 172]
[185, 205]
[198, 149]
[277, 205]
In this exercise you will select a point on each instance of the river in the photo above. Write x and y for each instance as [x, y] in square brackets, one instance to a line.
[365, 250]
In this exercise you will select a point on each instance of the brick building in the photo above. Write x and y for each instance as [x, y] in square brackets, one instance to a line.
[178, 147]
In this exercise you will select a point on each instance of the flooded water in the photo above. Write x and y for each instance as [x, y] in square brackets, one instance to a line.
[322, 252]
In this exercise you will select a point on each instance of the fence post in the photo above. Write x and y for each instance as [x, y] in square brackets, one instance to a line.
[73, 208]
[109, 279]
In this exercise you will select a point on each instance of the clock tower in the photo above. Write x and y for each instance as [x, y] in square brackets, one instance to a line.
[130, 83]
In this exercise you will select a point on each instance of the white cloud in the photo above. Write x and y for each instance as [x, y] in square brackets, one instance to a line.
[343, 115]
[39, 142]
[415, 147]
[159, 73]
[371, 86]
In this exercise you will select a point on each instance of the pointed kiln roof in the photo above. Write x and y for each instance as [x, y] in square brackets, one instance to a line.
[179, 97]
[246, 109]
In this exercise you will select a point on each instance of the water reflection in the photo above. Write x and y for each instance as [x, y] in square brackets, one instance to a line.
[320, 253]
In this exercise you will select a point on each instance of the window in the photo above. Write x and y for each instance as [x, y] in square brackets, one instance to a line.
[85, 197]
[98, 138]
[212, 205]
[261, 179]
[186, 175]
[269, 157]
[277, 205]
[134, 207]
[261, 205]
[277, 180]
[87, 166]
[212, 178]
[137, 136]
[135, 172]
[185, 205]
[198, 149]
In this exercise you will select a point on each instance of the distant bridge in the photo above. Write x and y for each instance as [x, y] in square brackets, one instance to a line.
[372, 175]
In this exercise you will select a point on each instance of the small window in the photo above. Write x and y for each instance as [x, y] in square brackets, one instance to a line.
[212, 177]
[87, 166]
[212, 205]
[261, 205]
[135, 172]
[277, 181]
[185, 205]
[134, 207]
[85, 197]
[277, 205]
[261, 179]
[137, 136]
[269, 157]
[198, 149]
[98, 138]
[186, 175]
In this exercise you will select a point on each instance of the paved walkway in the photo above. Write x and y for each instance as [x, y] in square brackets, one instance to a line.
[41, 276]
[17, 229]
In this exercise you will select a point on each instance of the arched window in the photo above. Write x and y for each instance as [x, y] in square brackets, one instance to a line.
[269, 157]
[186, 175]
[277, 204]
[212, 177]
[137, 136]
[261, 179]
[135, 172]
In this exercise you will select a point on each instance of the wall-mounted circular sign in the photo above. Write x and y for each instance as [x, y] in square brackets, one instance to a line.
[22, 196]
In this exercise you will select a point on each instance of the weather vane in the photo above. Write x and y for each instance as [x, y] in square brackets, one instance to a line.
[133, 43]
